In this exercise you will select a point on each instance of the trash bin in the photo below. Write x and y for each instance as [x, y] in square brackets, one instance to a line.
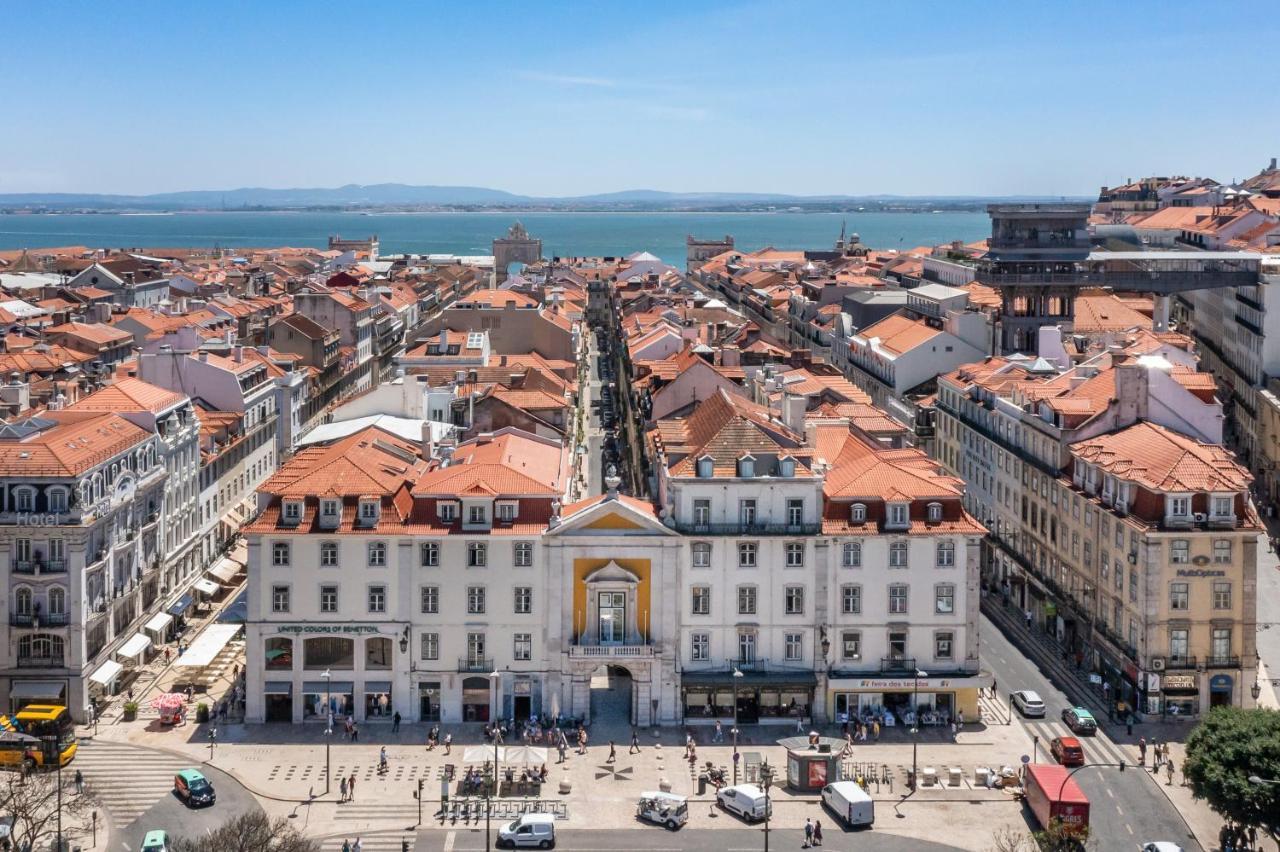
[702, 784]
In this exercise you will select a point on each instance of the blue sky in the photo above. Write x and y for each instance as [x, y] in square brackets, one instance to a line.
[554, 98]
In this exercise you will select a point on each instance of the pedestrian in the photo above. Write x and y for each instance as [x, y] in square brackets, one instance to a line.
[79, 782]
[808, 833]
[355, 734]
[1128, 724]
[688, 744]
[395, 722]
[1168, 768]
[382, 759]
[1027, 615]
[351, 791]
[635, 742]
[346, 845]
[959, 719]
[1142, 751]
[582, 741]
[346, 727]
[342, 789]
[875, 729]
[357, 846]
[693, 755]
[800, 724]
[448, 743]
[817, 832]
[993, 688]
[719, 734]
[613, 753]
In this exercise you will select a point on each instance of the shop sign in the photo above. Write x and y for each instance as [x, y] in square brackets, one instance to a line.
[1131, 672]
[1201, 559]
[1220, 683]
[1201, 572]
[907, 683]
[1153, 682]
[1179, 682]
[327, 628]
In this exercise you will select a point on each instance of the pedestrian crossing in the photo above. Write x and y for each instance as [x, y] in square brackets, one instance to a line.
[371, 842]
[126, 779]
[1097, 749]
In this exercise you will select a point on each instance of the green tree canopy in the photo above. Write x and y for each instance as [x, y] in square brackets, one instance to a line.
[251, 832]
[1223, 751]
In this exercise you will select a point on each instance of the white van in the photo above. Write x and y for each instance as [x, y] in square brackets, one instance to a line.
[850, 803]
[746, 800]
[531, 831]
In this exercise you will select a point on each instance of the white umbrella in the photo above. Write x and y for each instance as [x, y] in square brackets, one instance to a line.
[480, 754]
[525, 755]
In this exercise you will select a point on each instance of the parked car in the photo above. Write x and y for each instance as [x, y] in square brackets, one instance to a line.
[1161, 846]
[1029, 703]
[531, 831]
[156, 840]
[1079, 720]
[192, 787]
[746, 800]
[1067, 751]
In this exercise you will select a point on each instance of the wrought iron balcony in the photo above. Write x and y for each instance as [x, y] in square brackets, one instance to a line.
[1180, 662]
[475, 664]
[40, 662]
[749, 529]
[898, 664]
[1222, 662]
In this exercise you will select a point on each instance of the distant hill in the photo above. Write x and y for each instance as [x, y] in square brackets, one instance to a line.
[406, 195]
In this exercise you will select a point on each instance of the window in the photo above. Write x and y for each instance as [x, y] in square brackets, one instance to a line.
[1179, 597]
[700, 647]
[746, 647]
[897, 644]
[898, 599]
[851, 600]
[26, 499]
[475, 600]
[377, 554]
[523, 554]
[747, 554]
[431, 600]
[328, 598]
[935, 512]
[429, 554]
[944, 599]
[898, 515]
[746, 600]
[1179, 507]
[279, 598]
[477, 554]
[1178, 643]
[795, 554]
[706, 467]
[1133, 586]
[506, 512]
[946, 554]
[1222, 551]
[523, 643]
[448, 511]
[430, 646]
[794, 597]
[793, 647]
[368, 510]
[1222, 594]
[523, 600]
[795, 512]
[57, 601]
[898, 554]
[1180, 551]
[280, 553]
[1220, 643]
[851, 554]
[850, 645]
[858, 514]
[292, 510]
[328, 554]
[702, 512]
[701, 554]
[701, 604]
[1223, 507]
[378, 598]
[57, 500]
[942, 643]
[477, 515]
[746, 512]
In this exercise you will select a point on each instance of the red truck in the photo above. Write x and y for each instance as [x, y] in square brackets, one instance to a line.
[1050, 799]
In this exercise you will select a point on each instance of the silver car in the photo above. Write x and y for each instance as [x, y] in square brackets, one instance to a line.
[1029, 703]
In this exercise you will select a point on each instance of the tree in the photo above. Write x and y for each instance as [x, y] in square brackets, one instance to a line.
[1056, 838]
[250, 832]
[1230, 745]
[32, 801]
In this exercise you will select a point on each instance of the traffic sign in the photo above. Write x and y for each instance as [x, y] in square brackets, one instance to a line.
[1026, 758]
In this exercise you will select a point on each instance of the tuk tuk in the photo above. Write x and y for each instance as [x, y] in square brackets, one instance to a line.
[665, 809]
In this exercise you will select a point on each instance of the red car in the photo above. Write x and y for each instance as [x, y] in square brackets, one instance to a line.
[1067, 751]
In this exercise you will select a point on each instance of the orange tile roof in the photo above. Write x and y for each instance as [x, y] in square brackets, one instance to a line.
[498, 299]
[1162, 460]
[357, 465]
[78, 442]
[92, 332]
[1102, 312]
[130, 394]
[899, 333]
[509, 463]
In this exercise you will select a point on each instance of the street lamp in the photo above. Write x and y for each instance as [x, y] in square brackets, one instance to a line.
[766, 781]
[328, 727]
[737, 678]
[490, 789]
[915, 725]
[53, 740]
[213, 739]
[1255, 779]
[404, 640]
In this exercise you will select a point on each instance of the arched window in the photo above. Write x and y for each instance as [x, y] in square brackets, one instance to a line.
[278, 652]
[852, 555]
[22, 601]
[24, 499]
[946, 554]
[57, 601]
[42, 647]
[858, 514]
[935, 512]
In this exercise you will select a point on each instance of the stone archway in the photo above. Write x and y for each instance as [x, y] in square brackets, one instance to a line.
[612, 692]
[516, 246]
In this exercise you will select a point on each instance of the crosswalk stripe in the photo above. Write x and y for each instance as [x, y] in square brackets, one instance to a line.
[126, 794]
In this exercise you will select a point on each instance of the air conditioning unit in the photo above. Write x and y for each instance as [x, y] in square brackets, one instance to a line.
[1199, 517]
[1157, 664]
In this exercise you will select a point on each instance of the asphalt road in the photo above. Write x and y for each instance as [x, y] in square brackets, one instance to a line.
[1126, 808]
[170, 814]
[658, 839]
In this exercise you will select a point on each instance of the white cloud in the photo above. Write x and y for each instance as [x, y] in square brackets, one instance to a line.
[569, 79]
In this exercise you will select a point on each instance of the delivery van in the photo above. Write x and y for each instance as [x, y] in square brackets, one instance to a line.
[530, 831]
[850, 803]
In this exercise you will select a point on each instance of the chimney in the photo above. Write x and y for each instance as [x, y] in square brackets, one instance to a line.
[793, 409]
[428, 444]
[204, 355]
[1132, 393]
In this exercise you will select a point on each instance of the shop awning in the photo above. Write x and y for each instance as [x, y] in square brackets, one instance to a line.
[277, 687]
[208, 645]
[319, 687]
[107, 673]
[182, 604]
[225, 569]
[377, 686]
[53, 690]
[749, 679]
[207, 587]
[159, 622]
[136, 644]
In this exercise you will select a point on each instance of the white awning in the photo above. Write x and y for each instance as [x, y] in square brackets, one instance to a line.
[159, 622]
[207, 586]
[208, 645]
[52, 690]
[107, 673]
[136, 644]
[225, 569]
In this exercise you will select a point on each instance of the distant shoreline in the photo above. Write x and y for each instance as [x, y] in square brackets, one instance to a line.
[507, 211]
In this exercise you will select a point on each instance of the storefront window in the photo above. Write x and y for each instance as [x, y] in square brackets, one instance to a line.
[377, 653]
[377, 702]
[330, 652]
[341, 701]
[279, 653]
[429, 701]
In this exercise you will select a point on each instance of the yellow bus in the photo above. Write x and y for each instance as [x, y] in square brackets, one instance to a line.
[44, 735]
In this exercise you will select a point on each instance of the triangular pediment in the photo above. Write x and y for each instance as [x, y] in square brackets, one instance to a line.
[609, 516]
[611, 572]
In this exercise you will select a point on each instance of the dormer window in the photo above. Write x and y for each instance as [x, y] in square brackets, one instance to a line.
[447, 510]
[24, 499]
[706, 467]
[1222, 506]
[898, 515]
[477, 515]
[1108, 488]
[292, 511]
[369, 511]
[786, 466]
[1178, 507]
[858, 514]
[507, 511]
[57, 499]
[935, 513]
[747, 466]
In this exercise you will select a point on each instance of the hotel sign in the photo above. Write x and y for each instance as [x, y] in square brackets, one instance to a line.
[32, 519]
[327, 628]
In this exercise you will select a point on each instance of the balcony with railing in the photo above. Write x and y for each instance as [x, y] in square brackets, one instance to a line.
[748, 528]
[475, 664]
[1227, 662]
[590, 652]
[37, 567]
[1180, 662]
[40, 661]
[898, 665]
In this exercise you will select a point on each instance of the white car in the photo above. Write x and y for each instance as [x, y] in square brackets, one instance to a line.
[1161, 846]
[1029, 703]
[746, 800]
